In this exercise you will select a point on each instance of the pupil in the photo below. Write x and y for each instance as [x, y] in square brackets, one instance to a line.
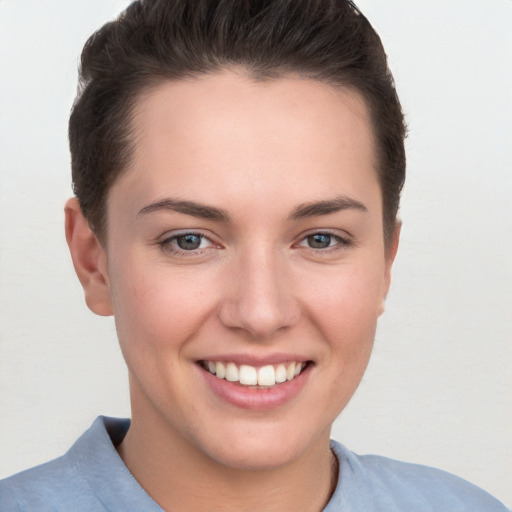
[319, 241]
[189, 242]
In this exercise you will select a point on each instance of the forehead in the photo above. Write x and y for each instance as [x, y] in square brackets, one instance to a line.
[229, 134]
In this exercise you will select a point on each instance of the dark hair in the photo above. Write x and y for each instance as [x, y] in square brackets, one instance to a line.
[158, 40]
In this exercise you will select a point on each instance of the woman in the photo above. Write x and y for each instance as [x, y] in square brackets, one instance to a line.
[237, 169]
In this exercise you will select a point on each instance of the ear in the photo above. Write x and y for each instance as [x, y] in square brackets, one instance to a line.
[89, 259]
[390, 254]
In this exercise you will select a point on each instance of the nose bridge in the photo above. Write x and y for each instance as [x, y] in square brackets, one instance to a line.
[262, 302]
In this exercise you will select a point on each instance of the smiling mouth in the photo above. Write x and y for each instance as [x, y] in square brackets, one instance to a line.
[262, 377]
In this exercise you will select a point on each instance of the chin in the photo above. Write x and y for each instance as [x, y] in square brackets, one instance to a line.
[260, 446]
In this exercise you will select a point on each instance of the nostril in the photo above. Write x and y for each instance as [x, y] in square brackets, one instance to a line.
[261, 319]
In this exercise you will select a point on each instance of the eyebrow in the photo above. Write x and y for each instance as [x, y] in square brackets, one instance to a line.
[188, 208]
[318, 208]
[311, 209]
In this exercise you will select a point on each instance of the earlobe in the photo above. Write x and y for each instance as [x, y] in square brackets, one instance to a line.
[89, 259]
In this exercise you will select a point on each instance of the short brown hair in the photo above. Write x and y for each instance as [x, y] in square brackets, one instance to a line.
[158, 40]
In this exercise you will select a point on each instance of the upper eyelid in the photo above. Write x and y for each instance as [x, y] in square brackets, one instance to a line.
[338, 238]
[173, 234]
[168, 238]
[344, 235]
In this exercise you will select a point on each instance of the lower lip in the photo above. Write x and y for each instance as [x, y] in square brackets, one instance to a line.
[258, 399]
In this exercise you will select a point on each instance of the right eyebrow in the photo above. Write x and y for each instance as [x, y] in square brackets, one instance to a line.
[192, 208]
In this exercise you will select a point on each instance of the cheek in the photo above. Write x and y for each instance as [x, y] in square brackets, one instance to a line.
[345, 310]
[156, 309]
[349, 296]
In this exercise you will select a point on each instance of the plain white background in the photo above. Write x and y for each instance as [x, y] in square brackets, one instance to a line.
[438, 389]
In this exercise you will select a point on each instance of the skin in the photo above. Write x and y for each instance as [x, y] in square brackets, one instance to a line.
[259, 151]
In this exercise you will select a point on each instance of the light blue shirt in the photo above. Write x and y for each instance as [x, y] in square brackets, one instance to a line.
[91, 477]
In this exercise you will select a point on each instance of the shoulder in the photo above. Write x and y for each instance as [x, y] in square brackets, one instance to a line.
[397, 486]
[57, 481]
[89, 477]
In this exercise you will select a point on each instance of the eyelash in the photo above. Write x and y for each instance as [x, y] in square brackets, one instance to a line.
[342, 243]
[168, 244]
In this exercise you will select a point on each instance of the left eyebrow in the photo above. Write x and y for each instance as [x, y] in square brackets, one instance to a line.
[317, 208]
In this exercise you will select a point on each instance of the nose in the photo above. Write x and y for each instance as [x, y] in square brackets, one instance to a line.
[261, 300]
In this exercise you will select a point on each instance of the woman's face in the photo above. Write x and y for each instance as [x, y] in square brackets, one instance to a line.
[245, 237]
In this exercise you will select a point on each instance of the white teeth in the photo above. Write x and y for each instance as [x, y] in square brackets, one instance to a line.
[232, 372]
[281, 373]
[266, 376]
[220, 370]
[248, 375]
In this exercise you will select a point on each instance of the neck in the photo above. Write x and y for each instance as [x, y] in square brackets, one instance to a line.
[181, 478]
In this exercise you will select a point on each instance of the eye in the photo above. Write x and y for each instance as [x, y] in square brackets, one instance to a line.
[324, 240]
[185, 242]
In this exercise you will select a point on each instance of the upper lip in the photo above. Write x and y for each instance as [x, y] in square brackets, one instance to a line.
[256, 360]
